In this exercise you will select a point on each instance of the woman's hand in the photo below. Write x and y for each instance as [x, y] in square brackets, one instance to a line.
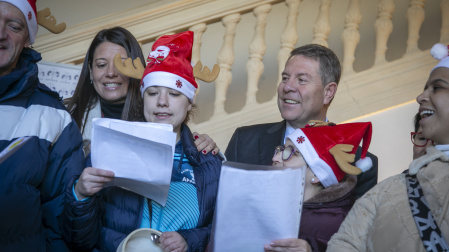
[91, 181]
[173, 242]
[205, 144]
[288, 245]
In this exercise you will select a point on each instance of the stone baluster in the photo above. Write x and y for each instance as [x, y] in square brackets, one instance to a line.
[383, 27]
[198, 31]
[225, 60]
[444, 37]
[322, 26]
[257, 48]
[415, 17]
[351, 35]
[289, 35]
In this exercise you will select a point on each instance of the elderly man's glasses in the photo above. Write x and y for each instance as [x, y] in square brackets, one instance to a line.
[286, 151]
[418, 140]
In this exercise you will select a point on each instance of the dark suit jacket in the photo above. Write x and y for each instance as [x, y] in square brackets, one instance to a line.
[255, 144]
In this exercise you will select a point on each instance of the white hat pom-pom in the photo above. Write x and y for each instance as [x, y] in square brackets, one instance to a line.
[364, 164]
[439, 51]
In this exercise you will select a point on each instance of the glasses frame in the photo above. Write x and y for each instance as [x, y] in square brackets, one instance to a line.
[412, 138]
[281, 148]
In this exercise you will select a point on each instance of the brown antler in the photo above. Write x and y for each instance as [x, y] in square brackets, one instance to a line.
[133, 69]
[205, 74]
[318, 123]
[344, 159]
[45, 19]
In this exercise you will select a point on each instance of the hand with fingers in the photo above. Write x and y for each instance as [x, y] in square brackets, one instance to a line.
[205, 144]
[173, 242]
[91, 181]
[284, 245]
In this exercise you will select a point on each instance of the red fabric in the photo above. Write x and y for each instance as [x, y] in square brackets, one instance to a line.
[178, 59]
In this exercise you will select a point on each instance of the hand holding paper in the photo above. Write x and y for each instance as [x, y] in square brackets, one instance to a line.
[140, 154]
[91, 181]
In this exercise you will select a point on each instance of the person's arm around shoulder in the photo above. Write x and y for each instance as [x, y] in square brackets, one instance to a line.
[205, 144]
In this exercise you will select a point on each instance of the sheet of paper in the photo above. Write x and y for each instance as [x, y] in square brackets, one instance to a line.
[256, 205]
[139, 154]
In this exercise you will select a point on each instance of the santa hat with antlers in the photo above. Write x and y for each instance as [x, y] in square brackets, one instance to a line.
[329, 150]
[168, 64]
[28, 8]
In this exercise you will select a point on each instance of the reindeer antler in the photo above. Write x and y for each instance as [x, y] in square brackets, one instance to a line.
[318, 123]
[344, 159]
[45, 19]
[205, 74]
[133, 69]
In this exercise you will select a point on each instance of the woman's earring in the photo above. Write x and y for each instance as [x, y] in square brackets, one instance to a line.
[312, 180]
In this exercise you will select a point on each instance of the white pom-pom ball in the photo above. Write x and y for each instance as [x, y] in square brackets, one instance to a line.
[439, 51]
[364, 164]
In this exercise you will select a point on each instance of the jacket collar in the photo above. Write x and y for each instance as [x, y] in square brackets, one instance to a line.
[23, 77]
[273, 137]
[335, 192]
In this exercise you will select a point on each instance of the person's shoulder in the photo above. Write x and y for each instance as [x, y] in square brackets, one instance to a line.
[391, 185]
[46, 97]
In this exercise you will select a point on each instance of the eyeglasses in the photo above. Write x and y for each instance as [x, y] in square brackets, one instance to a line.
[418, 140]
[287, 151]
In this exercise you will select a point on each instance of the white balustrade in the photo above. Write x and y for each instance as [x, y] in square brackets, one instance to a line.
[257, 48]
[351, 35]
[415, 17]
[225, 60]
[444, 37]
[198, 31]
[70, 47]
[383, 27]
[289, 35]
[322, 26]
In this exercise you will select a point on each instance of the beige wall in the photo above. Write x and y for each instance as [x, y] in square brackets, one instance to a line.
[391, 137]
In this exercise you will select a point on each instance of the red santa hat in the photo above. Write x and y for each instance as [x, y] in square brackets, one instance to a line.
[28, 8]
[440, 52]
[169, 65]
[330, 164]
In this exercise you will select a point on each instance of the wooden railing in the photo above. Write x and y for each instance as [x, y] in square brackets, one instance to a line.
[384, 84]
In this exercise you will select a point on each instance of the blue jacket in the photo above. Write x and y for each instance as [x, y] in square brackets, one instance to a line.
[34, 178]
[101, 222]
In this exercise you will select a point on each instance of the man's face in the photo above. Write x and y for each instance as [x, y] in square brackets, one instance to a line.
[13, 36]
[301, 95]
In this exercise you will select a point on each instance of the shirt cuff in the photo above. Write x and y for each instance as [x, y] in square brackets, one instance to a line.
[74, 194]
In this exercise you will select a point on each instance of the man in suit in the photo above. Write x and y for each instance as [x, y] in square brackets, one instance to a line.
[309, 84]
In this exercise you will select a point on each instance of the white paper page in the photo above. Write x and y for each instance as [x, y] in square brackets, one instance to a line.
[255, 207]
[140, 165]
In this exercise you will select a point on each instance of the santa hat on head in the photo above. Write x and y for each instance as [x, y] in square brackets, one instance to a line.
[169, 65]
[324, 151]
[28, 8]
[440, 52]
